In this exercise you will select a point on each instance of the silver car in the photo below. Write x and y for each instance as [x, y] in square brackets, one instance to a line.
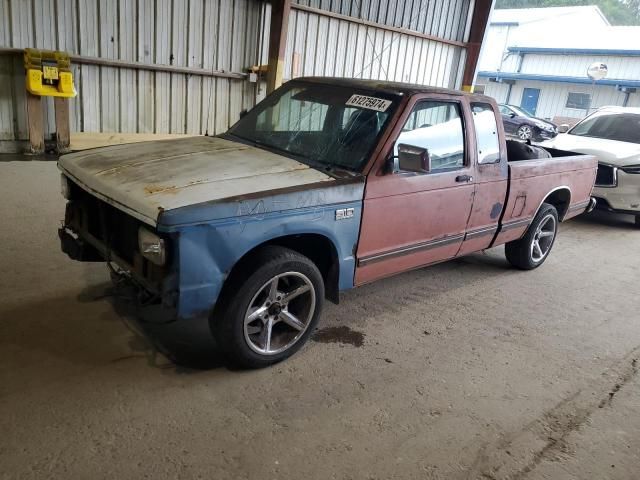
[613, 135]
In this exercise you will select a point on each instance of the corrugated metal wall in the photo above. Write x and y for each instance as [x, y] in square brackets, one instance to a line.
[229, 35]
[209, 34]
[322, 45]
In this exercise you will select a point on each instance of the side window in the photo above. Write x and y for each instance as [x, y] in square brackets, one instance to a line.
[436, 126]
[484, 120]
[504, 110]
[579, 100]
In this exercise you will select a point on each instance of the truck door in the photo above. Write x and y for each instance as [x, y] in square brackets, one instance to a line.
[415, 219]
[490, 178]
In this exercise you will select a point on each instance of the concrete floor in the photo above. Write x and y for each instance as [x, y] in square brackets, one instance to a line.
[467, 370]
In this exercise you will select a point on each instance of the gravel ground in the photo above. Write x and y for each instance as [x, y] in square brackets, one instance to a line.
[465, 370]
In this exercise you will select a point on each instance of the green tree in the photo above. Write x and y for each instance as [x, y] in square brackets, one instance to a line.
[619, 12]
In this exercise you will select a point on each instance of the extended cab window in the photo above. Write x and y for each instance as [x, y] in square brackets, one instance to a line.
[484, 120]
[436, 126]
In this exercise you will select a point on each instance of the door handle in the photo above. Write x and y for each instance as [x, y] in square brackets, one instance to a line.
[464, 178]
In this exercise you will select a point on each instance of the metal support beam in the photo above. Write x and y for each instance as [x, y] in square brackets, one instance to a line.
[277, 42]
[152, 67]
[479, 21]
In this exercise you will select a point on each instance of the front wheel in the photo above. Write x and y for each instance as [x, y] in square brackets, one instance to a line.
[525, 132]
[269, 309]
[533, 249]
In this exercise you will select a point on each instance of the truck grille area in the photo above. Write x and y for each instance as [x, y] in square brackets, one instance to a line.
[116, 230]
[114, 234]
[606, 176]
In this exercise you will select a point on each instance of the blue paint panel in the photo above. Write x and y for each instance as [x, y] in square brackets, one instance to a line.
[207, 249]
[561, 79]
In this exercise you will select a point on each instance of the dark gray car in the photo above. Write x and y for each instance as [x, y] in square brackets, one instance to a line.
[520, 123]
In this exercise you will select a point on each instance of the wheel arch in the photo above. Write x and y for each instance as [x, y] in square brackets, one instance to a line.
[319, 248]
[559, 197]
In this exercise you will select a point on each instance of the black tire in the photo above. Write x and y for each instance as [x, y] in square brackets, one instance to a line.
[521, 254]
[247, 286]
[637, 221]
[524, 132]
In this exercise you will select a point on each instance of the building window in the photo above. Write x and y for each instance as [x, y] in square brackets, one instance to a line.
[579, 100]
[479, 89]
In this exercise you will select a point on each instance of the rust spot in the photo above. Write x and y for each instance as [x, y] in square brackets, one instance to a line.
[339, 335]
[153, 189]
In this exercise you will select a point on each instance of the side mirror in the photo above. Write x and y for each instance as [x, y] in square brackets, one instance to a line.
[413, 159]
[564, 128]
[512, 115]
[243, 112]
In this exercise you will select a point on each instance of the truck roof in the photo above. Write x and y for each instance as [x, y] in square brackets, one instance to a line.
[397, 88]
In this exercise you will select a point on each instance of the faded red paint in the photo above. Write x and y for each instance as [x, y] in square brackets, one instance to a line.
[412, 220]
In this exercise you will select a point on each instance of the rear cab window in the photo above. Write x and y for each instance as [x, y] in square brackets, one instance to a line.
[486, 127]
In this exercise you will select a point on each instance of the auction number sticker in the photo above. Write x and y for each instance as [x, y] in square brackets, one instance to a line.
[370, 103]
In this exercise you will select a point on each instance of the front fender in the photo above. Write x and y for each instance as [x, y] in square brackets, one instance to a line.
[206, 252]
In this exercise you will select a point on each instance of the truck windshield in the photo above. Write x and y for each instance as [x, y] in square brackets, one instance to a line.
[321, 125]
[623, 127]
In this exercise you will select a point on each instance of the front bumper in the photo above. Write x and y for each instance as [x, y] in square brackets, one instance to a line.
[624, 196]
[152, 307]
[545, 134]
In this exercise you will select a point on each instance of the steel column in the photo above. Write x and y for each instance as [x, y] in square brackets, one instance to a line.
[277, 42]
[479, 21]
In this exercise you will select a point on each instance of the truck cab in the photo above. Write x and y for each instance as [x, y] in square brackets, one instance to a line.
[326, 185]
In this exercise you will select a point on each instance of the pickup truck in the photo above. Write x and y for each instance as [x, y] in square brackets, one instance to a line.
[325, 185]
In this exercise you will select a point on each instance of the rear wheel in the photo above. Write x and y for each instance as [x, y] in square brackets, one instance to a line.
[525, 132]
[270, 308]
[533, 249]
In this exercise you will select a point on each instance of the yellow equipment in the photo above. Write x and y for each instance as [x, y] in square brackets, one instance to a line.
[48, 73]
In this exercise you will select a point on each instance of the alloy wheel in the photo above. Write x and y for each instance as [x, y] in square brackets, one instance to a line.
[524, 132]
[543, 238]
[279, 313]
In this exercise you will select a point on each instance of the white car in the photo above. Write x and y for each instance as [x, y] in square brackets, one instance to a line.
[613, 135]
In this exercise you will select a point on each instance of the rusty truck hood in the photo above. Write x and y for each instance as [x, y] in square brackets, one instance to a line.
[146, 179]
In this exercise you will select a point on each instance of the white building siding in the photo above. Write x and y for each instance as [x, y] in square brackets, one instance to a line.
[576, 65]
[553, 97]
[572, 38]
[494, 48]
[499, 91]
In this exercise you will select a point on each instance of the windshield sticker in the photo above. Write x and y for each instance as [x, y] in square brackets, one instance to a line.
[370, 103]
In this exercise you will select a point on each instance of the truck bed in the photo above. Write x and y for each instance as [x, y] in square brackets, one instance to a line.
[568, 174]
